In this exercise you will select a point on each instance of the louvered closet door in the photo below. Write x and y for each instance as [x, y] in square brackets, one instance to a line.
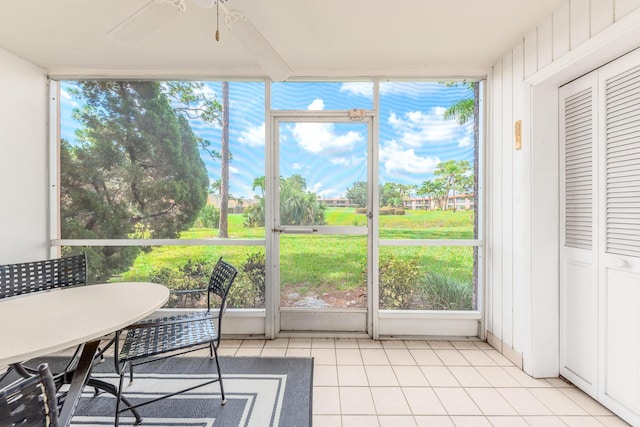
[579, 244]
[619, 248]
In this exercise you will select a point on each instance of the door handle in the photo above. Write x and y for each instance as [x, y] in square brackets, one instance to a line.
[295, 230]
[620, 263]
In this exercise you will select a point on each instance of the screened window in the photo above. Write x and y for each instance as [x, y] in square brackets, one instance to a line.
[428, 157]
[173, 160]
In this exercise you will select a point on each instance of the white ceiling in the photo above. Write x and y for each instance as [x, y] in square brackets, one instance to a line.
[327, 38]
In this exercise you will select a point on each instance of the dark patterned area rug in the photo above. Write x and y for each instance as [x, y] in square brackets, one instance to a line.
[260, 392]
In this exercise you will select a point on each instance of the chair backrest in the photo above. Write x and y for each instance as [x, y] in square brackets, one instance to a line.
[27, 277]
[221, 279]
[30, 401]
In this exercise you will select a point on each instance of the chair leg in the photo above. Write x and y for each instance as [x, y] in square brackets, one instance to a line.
[118, 400]
[110, 388]
[224, 400]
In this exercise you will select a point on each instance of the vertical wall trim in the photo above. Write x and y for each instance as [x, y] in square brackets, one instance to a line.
[54, 165]
[544, 359]
[507, 199]
[518, 196]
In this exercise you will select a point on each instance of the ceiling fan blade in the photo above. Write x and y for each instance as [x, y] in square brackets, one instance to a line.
[145, 21]
[254, 42]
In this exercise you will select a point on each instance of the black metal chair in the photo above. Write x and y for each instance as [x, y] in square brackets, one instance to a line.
[30, 401]
[156, 339]
[36, 276]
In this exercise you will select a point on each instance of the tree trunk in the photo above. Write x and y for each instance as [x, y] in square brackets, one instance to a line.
[224, 170]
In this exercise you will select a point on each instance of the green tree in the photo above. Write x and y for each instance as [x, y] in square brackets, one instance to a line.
[390, 194]
[259, 183]
[193, 102]
[136, 172]
[215, 186]
[357, 194]
[298, 206]
[435, 190]
[452, 173]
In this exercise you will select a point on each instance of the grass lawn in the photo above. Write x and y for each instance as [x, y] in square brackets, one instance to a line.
[319, 261]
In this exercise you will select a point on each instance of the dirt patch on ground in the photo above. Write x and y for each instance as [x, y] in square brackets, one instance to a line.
[290, 296]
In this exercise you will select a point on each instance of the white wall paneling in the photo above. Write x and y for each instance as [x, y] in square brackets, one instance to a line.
[579, 21]
[545, 42]
[561, 32]
[601, 15]
[624, 7]
[507, 199]
[495, 248]
[531, 52]
[517, 208]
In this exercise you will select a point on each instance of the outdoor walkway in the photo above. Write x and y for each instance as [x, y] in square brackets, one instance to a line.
[427, 383]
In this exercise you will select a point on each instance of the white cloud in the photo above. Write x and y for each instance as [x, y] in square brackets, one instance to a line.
[417, 127]
[318, 138]
[317, 188]
[358, 88]
[340, 161]
[296, 166]
[233, 170]
[465, 141]
[410, 89]
[253, 136]
[317, 104]
[68, 99]
[395, 158]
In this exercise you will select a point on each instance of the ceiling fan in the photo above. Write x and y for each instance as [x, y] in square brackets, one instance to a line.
[156, 13]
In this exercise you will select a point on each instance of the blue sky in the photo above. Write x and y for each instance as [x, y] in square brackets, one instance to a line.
[413, 135]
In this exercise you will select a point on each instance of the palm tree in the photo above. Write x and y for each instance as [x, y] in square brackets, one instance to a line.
[462, 111]
[214, 187]
[259, 183]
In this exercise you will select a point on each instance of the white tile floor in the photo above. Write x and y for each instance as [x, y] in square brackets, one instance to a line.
[361, 382]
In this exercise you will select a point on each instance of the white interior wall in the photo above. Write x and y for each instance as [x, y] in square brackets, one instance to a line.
[24, 161]
[522, 240]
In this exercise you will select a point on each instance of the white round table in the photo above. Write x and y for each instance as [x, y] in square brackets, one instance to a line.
[43, 323]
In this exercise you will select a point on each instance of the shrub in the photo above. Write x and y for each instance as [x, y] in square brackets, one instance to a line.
[399, 281]
[209, 217]
[361, 210]
[242, 294]
[442, 292]
[254, 215]
[192, 275]
[387, 210]
[398, 211]
[255, 271]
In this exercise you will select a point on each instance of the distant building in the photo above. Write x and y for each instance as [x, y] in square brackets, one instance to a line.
[336, 202]
[457, 202]
[235, 205]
